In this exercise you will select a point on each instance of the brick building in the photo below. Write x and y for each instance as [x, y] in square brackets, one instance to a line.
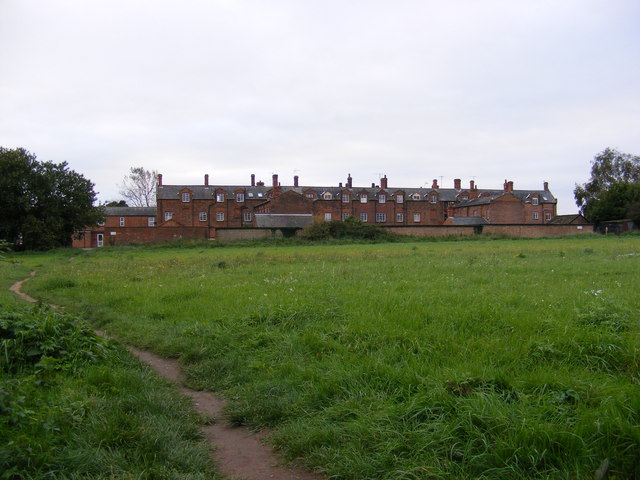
[198, 211]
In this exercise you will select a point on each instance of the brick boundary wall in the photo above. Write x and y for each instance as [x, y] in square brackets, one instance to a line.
[509, 230]
[145, 235]
[231, 234]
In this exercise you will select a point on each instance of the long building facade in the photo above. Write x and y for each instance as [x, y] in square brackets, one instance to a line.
[201, 211]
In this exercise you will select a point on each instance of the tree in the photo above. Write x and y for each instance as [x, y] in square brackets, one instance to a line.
[139, 187]
[42, 203]
[116, 203]
[613, 188]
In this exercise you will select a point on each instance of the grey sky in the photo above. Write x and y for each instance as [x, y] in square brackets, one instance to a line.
[524, 90]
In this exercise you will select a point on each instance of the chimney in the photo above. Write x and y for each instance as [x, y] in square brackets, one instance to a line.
[373, 185]
[295, 180]
[159, 179]
[253, 179]
[206, 179]
[275, 180]
[435, 183]
[508, 186]
[472, 185]
[349, 181]
[383, 182]
[260, 183]
[340, 185]
[457, 183]
[546, 186]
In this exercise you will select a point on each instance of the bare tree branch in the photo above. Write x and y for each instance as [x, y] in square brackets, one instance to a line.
[139, 187]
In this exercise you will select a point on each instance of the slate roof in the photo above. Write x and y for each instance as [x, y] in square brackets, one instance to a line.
[569, 219]
[130, 211]
[276, 220]
[468, 221]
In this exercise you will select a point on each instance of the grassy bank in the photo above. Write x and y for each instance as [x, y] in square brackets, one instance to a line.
[73, 405]
[483, 359]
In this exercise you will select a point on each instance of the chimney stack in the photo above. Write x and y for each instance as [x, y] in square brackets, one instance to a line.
[349, 181]
[340, 185]
[260, 183]
[373, 185]
[295, 180]
[159, 179]
[457, 183]
[206, 179]
[435, 183]
[508, 186]
[472, 185]
[383, 182]
[275, 180]
[253, 179]
[546, 186]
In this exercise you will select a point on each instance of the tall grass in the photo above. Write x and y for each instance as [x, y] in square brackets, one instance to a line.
[484, 359]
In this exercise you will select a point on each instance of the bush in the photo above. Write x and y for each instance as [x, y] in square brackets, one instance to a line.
[349, 228]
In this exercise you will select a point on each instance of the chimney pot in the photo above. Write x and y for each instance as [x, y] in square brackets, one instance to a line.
[383, 182]
[349, 181]
[546, 186]
[253, 180]
[435, 183]
[295, 181]
[373, 185]
[457, 183]
[340, 185]
[206, 179]
[275, 180]
[159, 179]
[472, 185]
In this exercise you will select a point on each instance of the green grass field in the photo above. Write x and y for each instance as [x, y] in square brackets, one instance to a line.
[474, 359]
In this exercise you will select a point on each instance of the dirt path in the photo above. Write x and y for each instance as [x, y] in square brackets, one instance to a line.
[238, 452]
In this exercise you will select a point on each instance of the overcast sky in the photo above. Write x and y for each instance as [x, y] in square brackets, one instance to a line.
[525, 90]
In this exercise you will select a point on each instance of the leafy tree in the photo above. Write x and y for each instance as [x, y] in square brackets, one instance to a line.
[116, 203]
[139, 187]
[42, 203]
[613, 187]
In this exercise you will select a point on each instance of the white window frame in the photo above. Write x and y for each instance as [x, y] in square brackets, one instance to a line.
[151, 221]
[122, 221]
[219, 216]
[381, 217]
[327, 196]
[219, 197]
[399, 217]
[433, 198]
[400, 198]
[168, 216]
[345, 198]
[364, 198]
[382, 198]
[247, 216]
[202, 216]
[416, 217]
[547, 216]
[240, 197]
[364, 217]
[534, 201]
[100, 240]
[186, 197]
[345, 215]
[310, 195]
[536, 216]
[327, 217]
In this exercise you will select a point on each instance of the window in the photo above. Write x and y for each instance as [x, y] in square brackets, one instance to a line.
[535, 215]
[100, 240]
[475, 213]
[433, 198]
[168, 216]
[381, 217]
[239, 197]
[219, 216]
[250, 194]
[399, 217]
[310, 195]
[345, 197]
[415, 196]
[151, 221]
[186, 197]
[327, 196]
[534, 201]
[399, 198]
[345, 216]
[260, 194]
[416, 217]
[327, 217]
[247, 216]
[122, 221]
[203, 216]
[547, 217]
[363, 198]
[219, 197]
[364, 217]
[382, 198]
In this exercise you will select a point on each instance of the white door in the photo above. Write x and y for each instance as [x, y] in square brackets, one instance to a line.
[100, 240]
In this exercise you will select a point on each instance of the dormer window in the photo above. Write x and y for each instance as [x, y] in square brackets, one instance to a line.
[186, 197]
[382, 198]
[415, 196]
[363, 198]
[260, 194]
[310, 195]
[239, 197]
[534, 201]
[250, 194]
[433, 198]
[219, 197]
[399, 198]
[327, 196]
[345, 197]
